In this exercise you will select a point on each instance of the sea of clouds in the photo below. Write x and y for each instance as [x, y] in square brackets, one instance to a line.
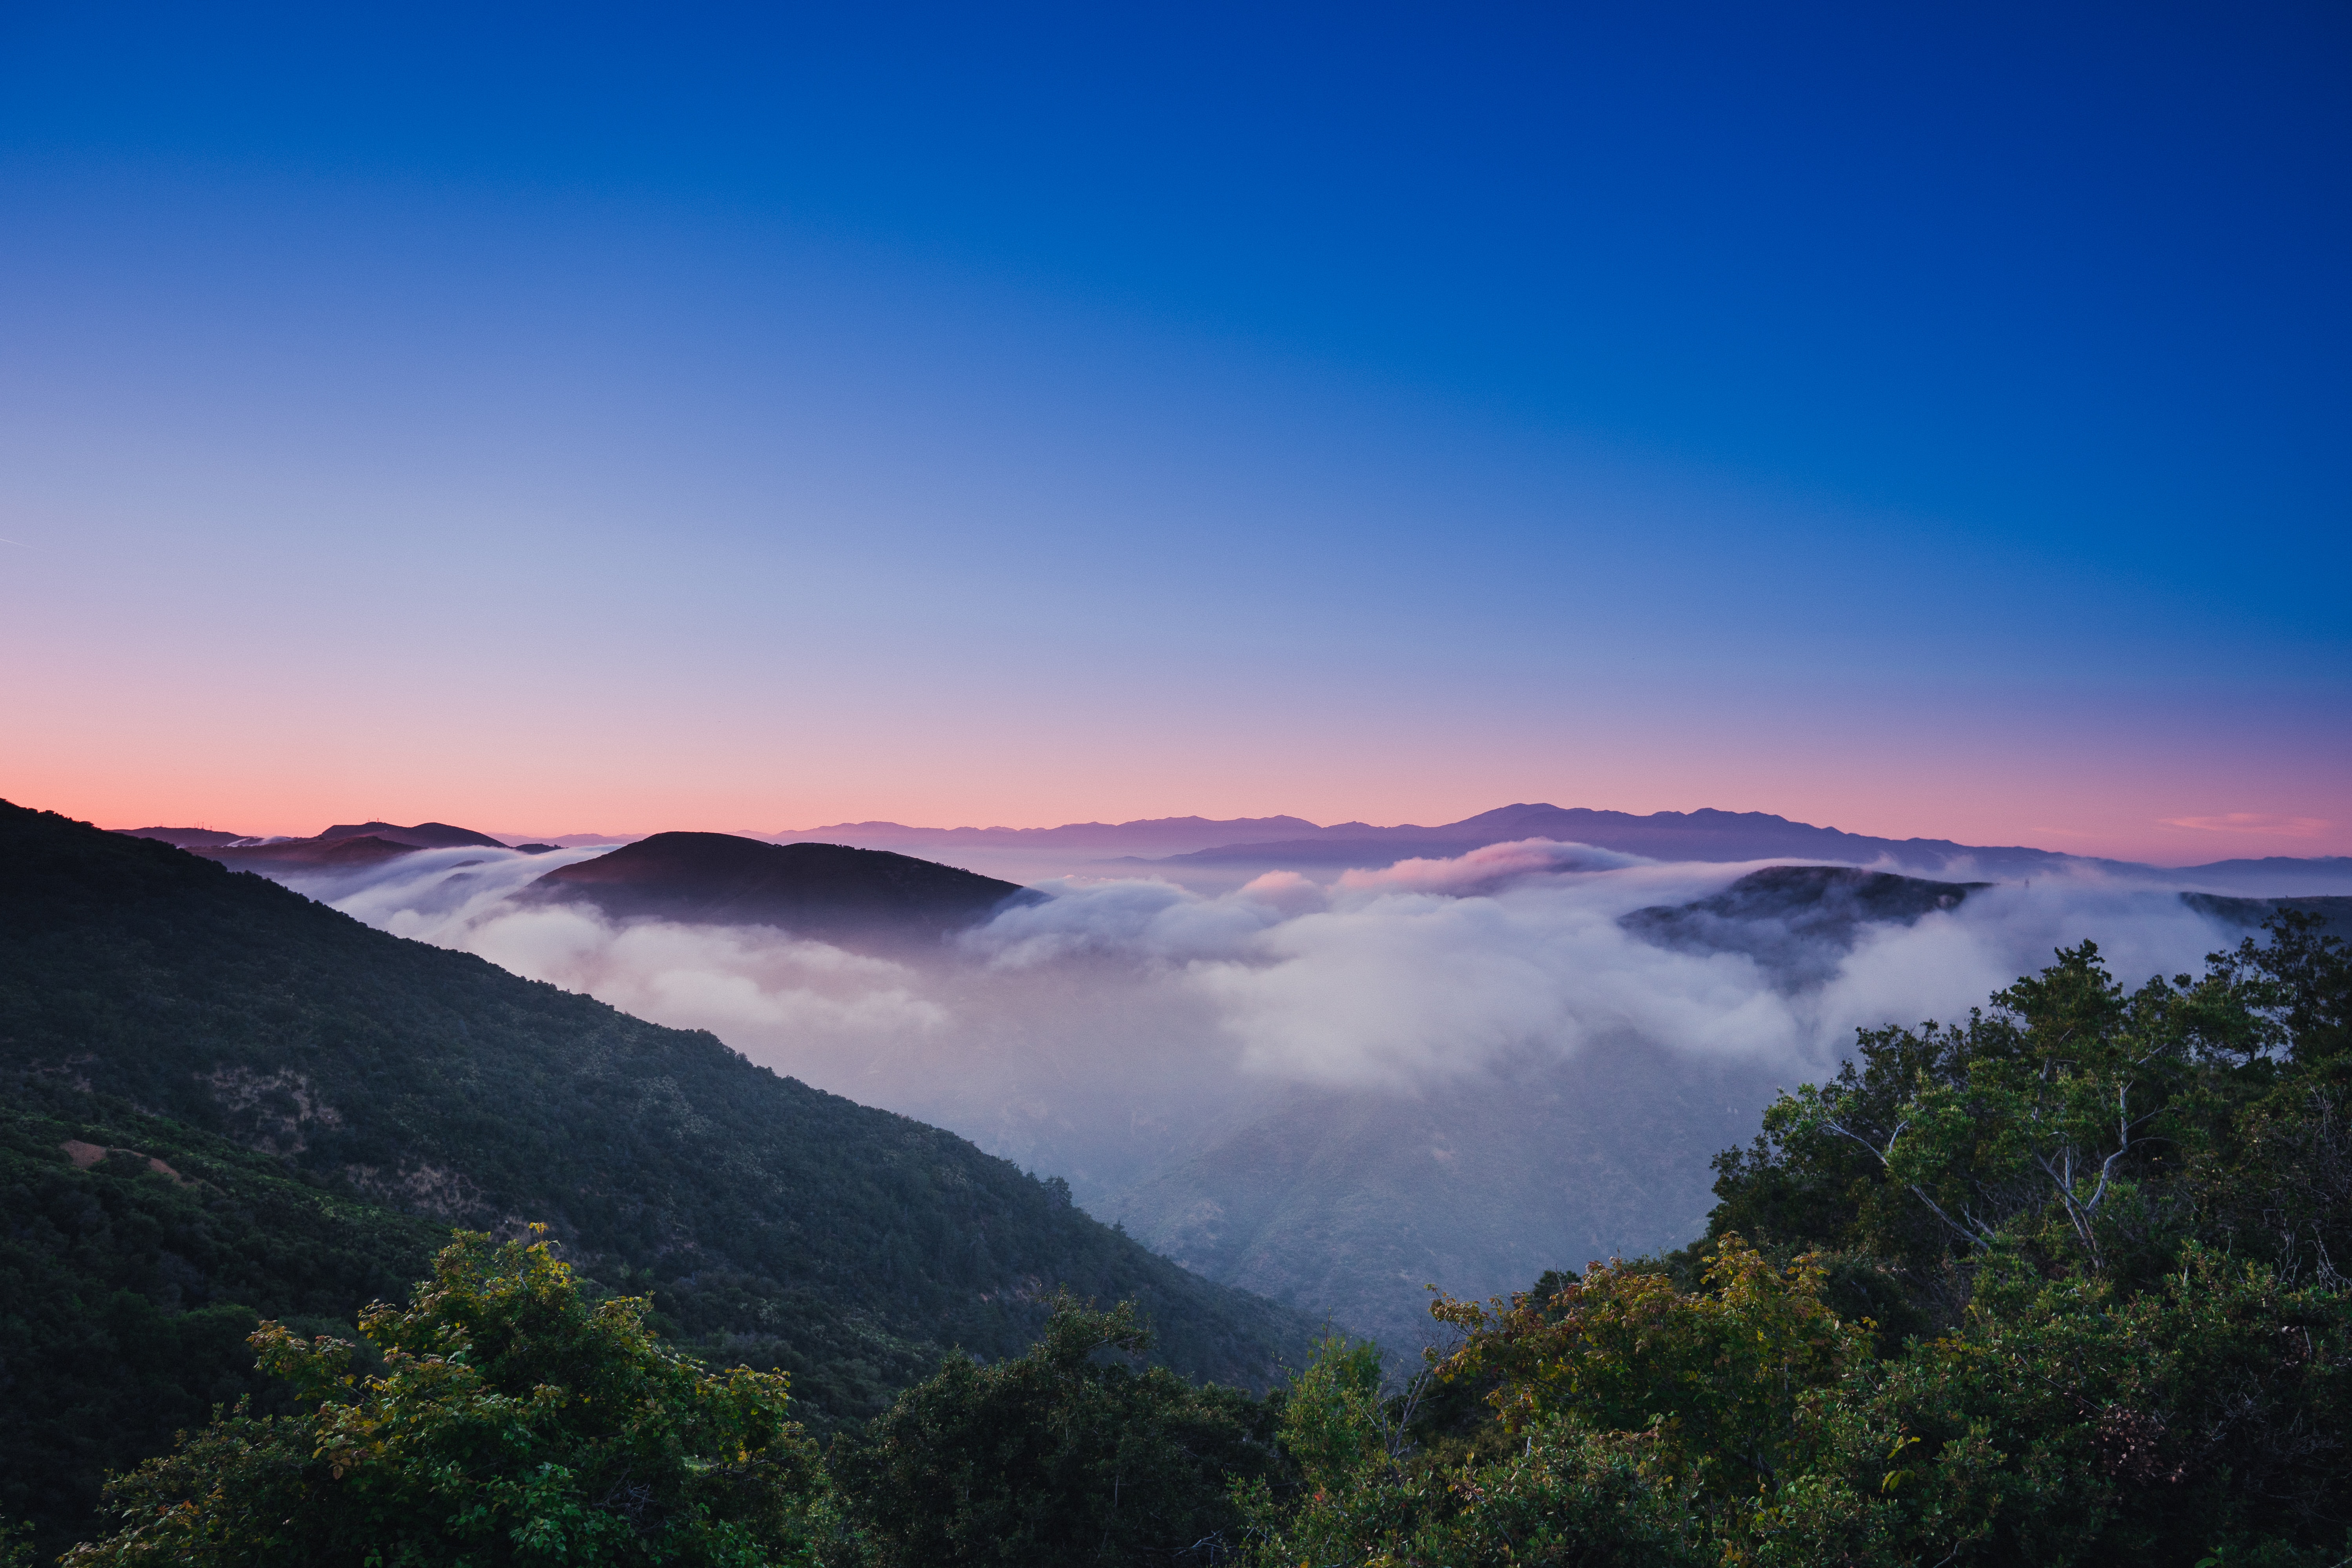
[1331, 1089]
[1101, 1027]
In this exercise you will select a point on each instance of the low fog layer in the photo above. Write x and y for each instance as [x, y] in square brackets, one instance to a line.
[1457, 1071]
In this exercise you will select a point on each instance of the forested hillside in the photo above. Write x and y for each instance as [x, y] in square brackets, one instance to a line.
[770, 1222]
[136, 1255]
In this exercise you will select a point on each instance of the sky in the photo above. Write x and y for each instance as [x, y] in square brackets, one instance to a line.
[1919, 420]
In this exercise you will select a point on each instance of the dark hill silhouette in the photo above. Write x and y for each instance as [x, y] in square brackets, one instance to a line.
[1796, 920]
[424, 836]
[824, 890]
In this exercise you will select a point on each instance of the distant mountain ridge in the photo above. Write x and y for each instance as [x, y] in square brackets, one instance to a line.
[1703, 835]
[1708, 835]
[1236, 847]
[1244, 846]
[1169, 835]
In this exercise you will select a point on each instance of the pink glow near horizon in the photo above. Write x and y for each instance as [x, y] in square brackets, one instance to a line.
[2125, 823]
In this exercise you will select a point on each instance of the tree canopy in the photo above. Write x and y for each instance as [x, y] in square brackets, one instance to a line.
[511, 1422]
[1070, 1455]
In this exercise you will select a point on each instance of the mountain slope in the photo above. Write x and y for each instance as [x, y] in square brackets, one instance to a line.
[825, 890]
[136, 1256]
[845, 1244]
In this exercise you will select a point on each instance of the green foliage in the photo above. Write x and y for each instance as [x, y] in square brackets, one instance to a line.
[1722, 1379]
[2069, 1423]
[512, 1423]
[1067, 1454]
[2099, 1230]
[1368, 1495]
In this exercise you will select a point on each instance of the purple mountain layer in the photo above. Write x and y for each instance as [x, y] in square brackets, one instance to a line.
[1705, 834]
[1160, 835]
[1246, 845]
[1235, 848]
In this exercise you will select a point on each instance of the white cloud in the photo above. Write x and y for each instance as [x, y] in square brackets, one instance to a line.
[1138, 1004]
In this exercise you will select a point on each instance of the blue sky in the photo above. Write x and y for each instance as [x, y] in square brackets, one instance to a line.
[1929, 422]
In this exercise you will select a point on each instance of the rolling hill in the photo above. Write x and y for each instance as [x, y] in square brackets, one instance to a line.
[817, 890]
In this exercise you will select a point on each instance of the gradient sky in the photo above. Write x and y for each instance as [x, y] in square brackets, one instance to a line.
[1924, 419]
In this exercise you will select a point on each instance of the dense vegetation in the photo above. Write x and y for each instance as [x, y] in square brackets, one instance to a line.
[510, 1421]
[505, 1417]
[1069, 1454]
[127, 1291]
[769, 1223]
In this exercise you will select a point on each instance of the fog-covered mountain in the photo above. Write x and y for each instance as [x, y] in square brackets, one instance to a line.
[823, 890]
[1333, 1083]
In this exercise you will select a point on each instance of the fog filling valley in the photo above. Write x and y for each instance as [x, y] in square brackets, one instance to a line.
[1338, 1092]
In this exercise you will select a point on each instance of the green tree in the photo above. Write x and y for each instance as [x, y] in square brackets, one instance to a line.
[1723, 1377]
[1067, 1454]
[512, 1423]
[2060, 1119]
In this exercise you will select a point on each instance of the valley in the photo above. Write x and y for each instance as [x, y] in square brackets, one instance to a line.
[1334, 1086]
